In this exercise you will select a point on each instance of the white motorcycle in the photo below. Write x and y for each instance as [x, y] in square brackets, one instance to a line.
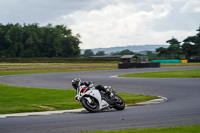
[94, 100]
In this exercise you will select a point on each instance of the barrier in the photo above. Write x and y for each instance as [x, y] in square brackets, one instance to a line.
[137, 65]
[184, 61]
[167, 61]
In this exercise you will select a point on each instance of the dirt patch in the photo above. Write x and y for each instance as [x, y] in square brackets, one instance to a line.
[47, 107]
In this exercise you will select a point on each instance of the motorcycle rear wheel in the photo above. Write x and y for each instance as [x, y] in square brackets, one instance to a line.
[92, 107]
[119, 103]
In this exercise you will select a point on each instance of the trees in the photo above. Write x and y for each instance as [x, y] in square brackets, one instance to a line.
[190, 47]
[197, 42]
[124, 52]
[34, 41]
[100, 53]
[162, 52]
[174, 49]
[88, 52]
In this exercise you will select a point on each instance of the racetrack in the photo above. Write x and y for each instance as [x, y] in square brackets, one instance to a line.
[182, 107]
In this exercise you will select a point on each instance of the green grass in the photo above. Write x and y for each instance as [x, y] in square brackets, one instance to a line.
[41, 65]
[35, 68]
[131, 99]
[178, 129]
[167, 74]
[167, 65]
[14, 99]
[5, 73]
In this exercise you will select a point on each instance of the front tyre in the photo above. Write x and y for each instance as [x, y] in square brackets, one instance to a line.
[90, 105]
[119, 103]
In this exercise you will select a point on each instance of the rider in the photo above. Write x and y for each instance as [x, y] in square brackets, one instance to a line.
[77, 82]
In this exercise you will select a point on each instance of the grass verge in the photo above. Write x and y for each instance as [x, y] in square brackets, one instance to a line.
[178, 129]
[15, 99]
[5, 73]
[34, 68]
[167, 74]
[167, 65]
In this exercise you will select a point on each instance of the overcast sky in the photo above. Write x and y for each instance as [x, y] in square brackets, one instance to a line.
[109, 23]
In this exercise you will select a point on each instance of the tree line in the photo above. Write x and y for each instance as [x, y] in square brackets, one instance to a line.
[32, 41]
[190, 47]
[89, 52]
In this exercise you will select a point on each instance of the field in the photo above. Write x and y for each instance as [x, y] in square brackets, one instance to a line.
[30, 68]
[54, 66]
[164, 65]
[178, 129]
[15, 99]
[168, 74]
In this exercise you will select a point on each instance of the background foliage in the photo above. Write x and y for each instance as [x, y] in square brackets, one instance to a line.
[190, 47]
[33, 41]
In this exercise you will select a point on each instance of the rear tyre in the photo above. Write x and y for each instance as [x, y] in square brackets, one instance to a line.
[119, 103]
[92, 106]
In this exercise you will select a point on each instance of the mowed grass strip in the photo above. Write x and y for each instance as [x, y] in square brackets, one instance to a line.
[35, 68]
[166, 74]
[5, 73]
[132, 99]
[178, 129]
[167, 65]
[54, 66]
[14, 99]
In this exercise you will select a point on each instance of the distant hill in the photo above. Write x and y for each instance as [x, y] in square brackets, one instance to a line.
[134, 48]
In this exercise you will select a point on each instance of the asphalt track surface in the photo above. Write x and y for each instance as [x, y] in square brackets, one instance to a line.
[182, 107]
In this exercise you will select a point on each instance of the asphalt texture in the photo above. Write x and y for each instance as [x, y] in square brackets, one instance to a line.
[182, 107]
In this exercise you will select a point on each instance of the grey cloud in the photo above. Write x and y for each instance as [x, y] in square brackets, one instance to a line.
[29, 11]
[67, 12]
[177, 20]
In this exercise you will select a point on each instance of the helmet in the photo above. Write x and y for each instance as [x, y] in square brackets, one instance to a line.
[76, 82]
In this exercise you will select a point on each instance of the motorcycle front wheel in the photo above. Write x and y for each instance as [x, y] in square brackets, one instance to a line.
[91, 106]
[119, 103]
